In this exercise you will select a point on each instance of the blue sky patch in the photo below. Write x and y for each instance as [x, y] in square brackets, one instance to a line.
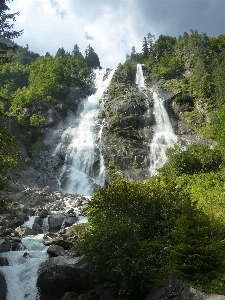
[88, 37]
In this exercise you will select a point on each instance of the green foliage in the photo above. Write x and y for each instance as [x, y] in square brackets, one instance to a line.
[139, 234]
[169, 67]
[195, 243]
[194, 159]
[9, 153]
[124, 73]
[9, 157]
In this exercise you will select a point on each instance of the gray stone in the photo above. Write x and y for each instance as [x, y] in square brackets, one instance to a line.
[55, 221]
[69, 221]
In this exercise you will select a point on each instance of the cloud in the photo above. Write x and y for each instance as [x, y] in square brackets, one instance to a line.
[111, 26]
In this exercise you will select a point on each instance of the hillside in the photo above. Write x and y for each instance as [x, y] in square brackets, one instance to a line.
[145, 222]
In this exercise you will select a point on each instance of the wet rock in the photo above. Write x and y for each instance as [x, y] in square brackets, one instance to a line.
[37, 226]
[55, 250]
[59, 275]
[15, 242]
[55, 221]
[5, 245]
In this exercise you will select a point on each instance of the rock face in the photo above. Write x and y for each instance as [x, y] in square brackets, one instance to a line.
[59, 275]
[126, 114]
[129, 125]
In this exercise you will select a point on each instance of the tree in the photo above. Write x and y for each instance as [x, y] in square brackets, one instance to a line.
[60, 52]
[6, 31]
[92, 58]
[164, 44]
[76, 52]
[9, 153]
[150, 40]
[145, 49]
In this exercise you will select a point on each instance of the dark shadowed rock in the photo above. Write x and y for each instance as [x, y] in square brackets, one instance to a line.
[55, 250]
[70, 296]
[5, 244]
[3, 262]
[3, 287]
[176, 287]
[59, 275]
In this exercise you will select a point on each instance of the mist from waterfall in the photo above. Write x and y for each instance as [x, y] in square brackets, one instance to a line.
[83, 168]
[164, 136]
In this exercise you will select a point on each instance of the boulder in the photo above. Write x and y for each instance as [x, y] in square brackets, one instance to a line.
[5, 245]
[69, 221]
[24, 231]
[55, 250]
[55, 221]
[59, 275]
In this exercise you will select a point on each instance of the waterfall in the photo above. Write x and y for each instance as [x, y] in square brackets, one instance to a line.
[140, 80]
[164, 136]
[83, 168]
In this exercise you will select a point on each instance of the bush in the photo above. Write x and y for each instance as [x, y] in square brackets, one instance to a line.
[121, 246]
[194, 159]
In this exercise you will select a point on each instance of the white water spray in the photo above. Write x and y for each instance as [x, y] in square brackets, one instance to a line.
[140, 80]
[164, 136]
[81, 155]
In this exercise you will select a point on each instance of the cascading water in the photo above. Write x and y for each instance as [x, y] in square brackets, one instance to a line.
[140, 80]
[21, 272]
[164, 136]
[80, 142]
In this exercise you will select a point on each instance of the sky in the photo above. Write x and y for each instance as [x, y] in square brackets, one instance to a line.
[111, 27]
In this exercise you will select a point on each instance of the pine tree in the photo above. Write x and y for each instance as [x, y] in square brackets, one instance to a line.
[92, 58]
